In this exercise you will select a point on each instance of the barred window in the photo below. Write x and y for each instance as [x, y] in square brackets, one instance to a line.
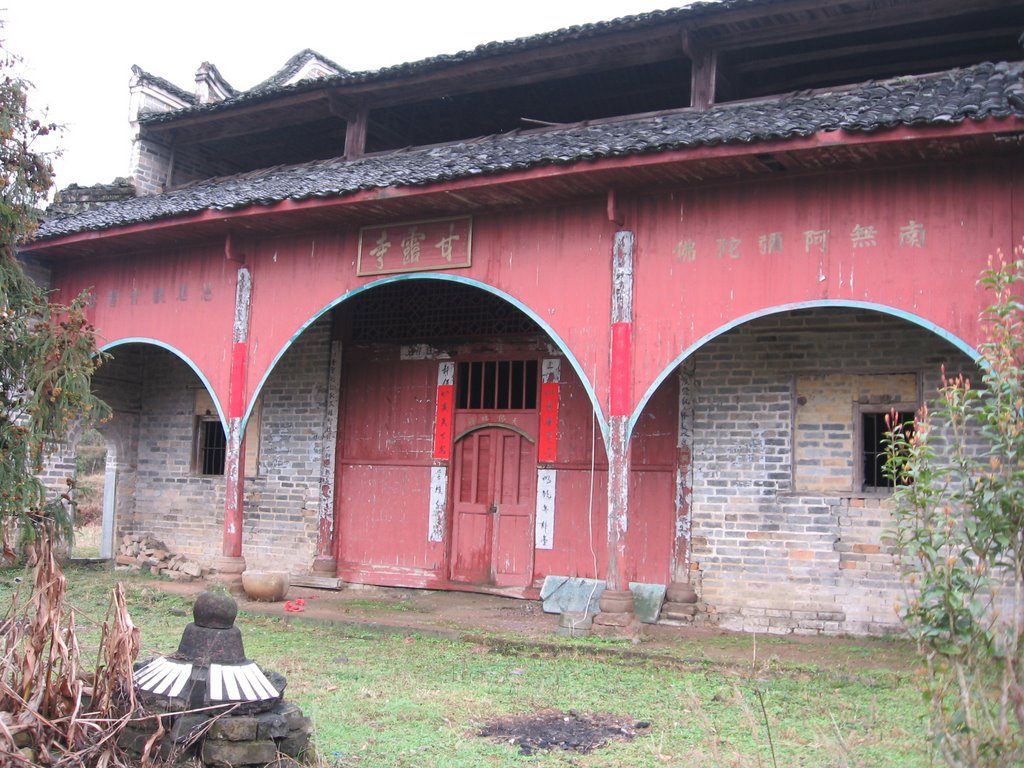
[503, 385]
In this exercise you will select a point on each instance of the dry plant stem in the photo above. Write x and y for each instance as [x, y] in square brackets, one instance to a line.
[767, 725]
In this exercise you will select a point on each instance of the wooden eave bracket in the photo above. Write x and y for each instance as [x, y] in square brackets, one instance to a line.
[614, 211]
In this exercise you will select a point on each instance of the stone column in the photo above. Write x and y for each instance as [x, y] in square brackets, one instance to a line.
[680, 595]
[325, 563]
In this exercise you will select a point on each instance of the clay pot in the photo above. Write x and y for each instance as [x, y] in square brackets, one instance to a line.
[265, 586]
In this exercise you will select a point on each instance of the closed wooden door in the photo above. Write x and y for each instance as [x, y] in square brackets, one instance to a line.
[493, 500]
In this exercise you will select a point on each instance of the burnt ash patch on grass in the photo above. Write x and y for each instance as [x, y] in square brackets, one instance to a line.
[571, 731]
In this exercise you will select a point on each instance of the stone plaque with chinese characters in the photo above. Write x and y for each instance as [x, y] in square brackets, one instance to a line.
[415, 246]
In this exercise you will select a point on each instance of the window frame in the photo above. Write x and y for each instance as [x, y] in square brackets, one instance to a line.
[199, 447]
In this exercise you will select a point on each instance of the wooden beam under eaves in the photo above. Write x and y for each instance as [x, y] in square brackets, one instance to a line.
[355, 133]
[703, 70]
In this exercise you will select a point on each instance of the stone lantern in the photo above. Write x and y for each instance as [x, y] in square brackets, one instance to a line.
[215, 704]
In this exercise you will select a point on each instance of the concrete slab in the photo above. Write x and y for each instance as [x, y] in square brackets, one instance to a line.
[561, 594]
[647, 600]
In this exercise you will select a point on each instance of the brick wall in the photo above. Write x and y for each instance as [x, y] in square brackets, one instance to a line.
[281, 504]
[182, 509]
[154, 395]
[777, 551]
[150, 164]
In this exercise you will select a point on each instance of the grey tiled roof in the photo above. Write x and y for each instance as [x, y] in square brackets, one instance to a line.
[272, 88]
[978, 92]
[293, 65]
[165, 85]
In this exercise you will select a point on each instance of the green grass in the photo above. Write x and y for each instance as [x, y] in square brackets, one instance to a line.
[394, 700]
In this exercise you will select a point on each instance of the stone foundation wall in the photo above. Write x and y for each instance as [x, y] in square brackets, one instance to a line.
[778, 551]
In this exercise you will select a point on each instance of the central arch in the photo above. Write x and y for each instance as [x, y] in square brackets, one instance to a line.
[430, 384]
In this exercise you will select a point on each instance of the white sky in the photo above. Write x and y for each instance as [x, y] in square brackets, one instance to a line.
[78, 54]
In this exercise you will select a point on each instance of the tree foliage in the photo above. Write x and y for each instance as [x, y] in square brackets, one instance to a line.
[960, 531]
[47, 350]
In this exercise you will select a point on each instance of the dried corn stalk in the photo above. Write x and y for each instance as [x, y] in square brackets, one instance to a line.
[48, 716]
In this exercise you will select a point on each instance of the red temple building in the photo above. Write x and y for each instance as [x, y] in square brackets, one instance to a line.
[626, 301]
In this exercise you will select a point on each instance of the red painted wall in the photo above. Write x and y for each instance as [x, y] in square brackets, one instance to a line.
[699, 266]
[181, 297]
[384, 458]
[711, 255]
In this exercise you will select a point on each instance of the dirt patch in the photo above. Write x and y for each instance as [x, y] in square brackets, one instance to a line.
[570, 730]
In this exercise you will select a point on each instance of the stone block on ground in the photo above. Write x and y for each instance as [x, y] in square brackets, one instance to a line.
[295, 744]
[188, 727]
[234, 729]
[230, 754]
[271, 725]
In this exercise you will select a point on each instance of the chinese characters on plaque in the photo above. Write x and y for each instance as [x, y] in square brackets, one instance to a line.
[910, 234]
[415, 246]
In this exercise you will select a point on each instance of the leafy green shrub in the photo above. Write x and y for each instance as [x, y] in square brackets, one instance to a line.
[959, 529]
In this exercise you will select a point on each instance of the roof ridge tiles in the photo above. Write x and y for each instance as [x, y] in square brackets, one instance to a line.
[975, 93]
[273, 86]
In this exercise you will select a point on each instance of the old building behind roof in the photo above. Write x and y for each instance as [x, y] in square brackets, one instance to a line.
[626, 301]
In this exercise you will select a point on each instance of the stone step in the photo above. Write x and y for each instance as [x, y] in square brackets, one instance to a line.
[317, 582]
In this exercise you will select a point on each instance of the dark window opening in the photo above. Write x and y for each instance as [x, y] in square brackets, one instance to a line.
[914, 48]
[432, 311]
[504, 385]
[629, 90]
[211, 447]
[873, 432]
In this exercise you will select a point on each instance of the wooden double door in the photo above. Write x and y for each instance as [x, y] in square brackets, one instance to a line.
[493, 500]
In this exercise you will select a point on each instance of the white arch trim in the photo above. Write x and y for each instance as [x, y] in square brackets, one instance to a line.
[559, 342]
[938, 330]
[184, 358]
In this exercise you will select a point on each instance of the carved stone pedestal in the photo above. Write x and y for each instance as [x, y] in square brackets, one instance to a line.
[681, 603]
[616, 618]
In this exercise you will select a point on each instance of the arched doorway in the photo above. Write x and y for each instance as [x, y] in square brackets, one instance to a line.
[780, 512]
[156, 476]
[493, 500]
[456, 410]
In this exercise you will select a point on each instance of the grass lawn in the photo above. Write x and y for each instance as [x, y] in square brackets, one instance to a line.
[397, 700]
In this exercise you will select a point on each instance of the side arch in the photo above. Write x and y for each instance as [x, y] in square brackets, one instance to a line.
[938, 330]
[525, 309]
[181, 356]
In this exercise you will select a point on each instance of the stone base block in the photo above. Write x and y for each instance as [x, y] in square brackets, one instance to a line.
[632, 630]
[573, 624]
[324, 565]
[679, 611]
[614, 619]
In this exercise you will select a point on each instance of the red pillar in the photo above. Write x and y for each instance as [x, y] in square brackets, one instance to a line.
[617, 601]
[231, 563]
